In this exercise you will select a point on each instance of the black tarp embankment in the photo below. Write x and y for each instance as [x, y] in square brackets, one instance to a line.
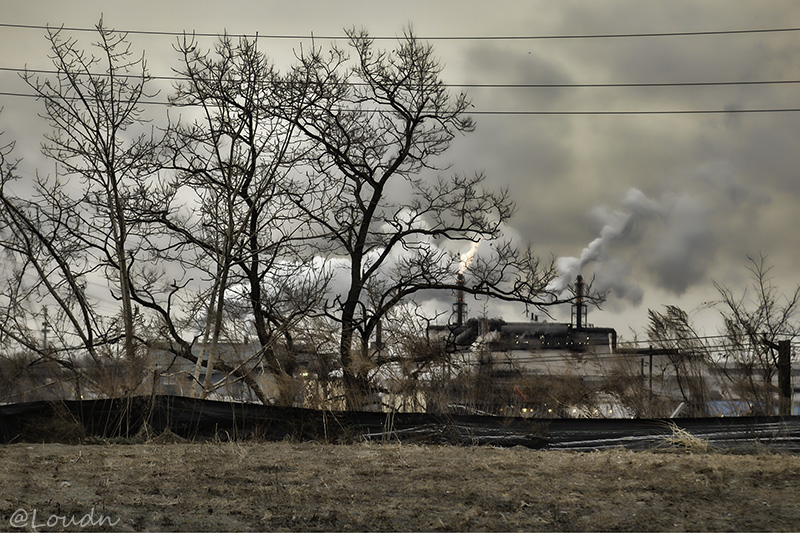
[70, 421]
[189, 418]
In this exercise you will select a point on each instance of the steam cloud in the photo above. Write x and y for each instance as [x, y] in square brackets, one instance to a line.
[611, 274]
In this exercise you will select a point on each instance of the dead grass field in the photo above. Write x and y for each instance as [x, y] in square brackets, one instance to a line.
[390, 487]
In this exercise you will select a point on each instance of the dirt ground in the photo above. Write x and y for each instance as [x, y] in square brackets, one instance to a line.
[389, 487]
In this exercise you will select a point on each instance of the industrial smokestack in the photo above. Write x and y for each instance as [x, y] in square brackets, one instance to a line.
[579, 302]
[460, 307]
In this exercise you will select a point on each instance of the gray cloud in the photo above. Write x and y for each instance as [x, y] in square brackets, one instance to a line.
[685, 246]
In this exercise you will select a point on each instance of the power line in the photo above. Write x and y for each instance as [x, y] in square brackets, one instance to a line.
[427, 38]
[617, 85]
[486, 85]
[641, 112]
[526, 112]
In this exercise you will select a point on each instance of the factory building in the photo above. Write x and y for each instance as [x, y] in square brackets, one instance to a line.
[510, 367]
[540, 368]
[500, 336]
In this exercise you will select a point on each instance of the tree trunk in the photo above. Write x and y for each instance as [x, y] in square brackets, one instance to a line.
[355, 381]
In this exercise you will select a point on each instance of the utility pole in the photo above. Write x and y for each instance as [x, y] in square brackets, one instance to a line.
[785, 377]
[784, 374]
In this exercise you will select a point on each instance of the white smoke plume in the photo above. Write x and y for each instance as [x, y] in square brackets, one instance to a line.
[618, 225]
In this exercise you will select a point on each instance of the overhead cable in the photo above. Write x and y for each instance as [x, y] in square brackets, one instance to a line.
[425, 38]
[482, 85]
[514, 112]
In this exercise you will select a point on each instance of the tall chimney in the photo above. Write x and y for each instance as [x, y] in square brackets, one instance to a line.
[579, 302]
[459, 306]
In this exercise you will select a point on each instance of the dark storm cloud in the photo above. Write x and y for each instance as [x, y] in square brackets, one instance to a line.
[525, 154]
[714, 178]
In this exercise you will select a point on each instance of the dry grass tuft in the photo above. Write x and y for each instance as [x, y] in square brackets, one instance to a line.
[680, 438]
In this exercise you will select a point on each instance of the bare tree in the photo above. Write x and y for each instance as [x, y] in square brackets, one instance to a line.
[379, 122]
[755, 322]
[83, 225]
[746, 362]
[94, 108]
[234, 158]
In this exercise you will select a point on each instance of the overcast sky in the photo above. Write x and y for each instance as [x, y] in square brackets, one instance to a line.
[655, 206]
